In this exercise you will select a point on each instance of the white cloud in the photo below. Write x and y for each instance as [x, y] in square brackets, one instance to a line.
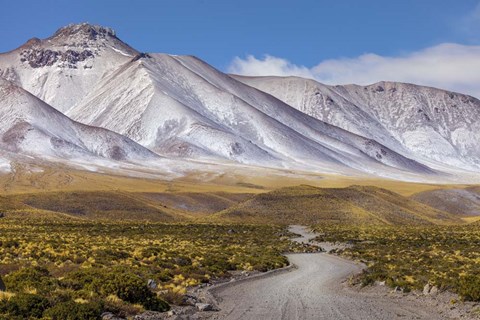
[269, 65]
[449, 66]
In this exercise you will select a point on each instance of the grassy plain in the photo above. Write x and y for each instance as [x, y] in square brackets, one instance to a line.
[89, 242]
[27, 180]
[409, 257]
[50, 263]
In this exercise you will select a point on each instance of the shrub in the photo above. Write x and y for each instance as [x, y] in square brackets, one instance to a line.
[469, 288]
[126, 285]
[71, 310]
[131, 288]
[25, 306]
[31, 278]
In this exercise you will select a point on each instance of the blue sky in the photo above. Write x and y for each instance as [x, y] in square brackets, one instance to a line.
[300, 34]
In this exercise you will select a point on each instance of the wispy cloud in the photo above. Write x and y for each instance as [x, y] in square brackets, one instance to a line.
[449, 66]
[269, 65]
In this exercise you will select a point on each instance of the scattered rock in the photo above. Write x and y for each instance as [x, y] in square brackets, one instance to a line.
[434, 291]
[186, 317]
[426, 289]
[110, 316]
[38, 58]
[190, 300]
[204, 307]
[398, 290]
[150, 315]
[231, 231]
[152, 284]
[430, 290]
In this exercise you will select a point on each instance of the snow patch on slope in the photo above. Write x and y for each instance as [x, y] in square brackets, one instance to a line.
[5, 165]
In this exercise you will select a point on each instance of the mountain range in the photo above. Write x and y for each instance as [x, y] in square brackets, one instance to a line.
[84, 95]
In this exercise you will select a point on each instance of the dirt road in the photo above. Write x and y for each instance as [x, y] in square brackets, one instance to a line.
[314, 289]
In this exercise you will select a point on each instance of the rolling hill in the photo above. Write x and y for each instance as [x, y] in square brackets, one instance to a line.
[462, 202]
[351, 205]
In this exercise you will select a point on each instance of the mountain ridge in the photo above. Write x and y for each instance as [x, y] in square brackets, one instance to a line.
[30, 126]
[437, 125]
[180, 107]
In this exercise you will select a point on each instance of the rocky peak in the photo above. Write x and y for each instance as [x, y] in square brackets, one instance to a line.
[86, 31]
[71, 45]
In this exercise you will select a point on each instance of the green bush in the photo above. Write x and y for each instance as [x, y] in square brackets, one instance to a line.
[469, 288]
[131, 288]
[24, 306]
[30, 278]
[126, 285]
[75, 311]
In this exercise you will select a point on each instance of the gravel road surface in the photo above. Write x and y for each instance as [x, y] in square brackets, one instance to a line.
[313, 289]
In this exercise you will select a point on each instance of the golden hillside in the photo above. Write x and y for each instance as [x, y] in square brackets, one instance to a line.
[351, 205]
[459, 201]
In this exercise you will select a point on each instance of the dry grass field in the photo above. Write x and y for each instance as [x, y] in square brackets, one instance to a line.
[76, 242]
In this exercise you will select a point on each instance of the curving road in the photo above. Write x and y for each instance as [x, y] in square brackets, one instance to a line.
[311, 290]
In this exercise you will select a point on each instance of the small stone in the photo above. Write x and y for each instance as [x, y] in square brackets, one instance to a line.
[110, 316]
[204, 307]
[152, 284]
[398, 289]
[190, 300]
[434, 291]
[426, 289]
[149, 315]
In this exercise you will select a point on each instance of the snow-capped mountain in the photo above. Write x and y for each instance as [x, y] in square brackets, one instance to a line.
[64, 68]
[181, 107]
[425, 123]
[30, 126]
